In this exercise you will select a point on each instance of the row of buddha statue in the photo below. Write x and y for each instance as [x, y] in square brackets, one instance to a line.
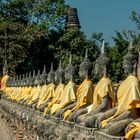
[87, 105]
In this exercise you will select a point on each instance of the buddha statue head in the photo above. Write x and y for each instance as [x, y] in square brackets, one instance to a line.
[19, 81]
[70, 70]
[5, 68]
[102, 63]
[16, 81]
[22, 80]
[37, 79]
[85, 67]
[28, 79]
[51, 75]
[130, 60]
[44, 76]
[59, 74]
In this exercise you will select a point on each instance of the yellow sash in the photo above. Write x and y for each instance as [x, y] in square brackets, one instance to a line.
[67, 97]
[85, 96]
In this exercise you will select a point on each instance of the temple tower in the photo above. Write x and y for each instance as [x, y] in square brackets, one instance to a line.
[72, 19]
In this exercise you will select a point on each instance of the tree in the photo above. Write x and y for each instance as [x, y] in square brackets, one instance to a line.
[27, 22]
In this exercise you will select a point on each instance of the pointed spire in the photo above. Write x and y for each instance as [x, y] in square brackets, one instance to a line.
[44, 69]
[29, 74]
[26, 74]
[103, 47]
[33, 73]
[86, 53]
[17, 77]
[131, 47]
[20, 77]
[70, 59]
[52, 67]
[60, 64]
[38, 73]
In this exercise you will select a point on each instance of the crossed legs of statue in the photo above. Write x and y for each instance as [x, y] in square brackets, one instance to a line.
[72, 117]
[41, 108]
[88, 120]
[117, 128]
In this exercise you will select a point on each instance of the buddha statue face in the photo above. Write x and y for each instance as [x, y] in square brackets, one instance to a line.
[82, 73]
[67, 75]
[50, 77]
[128, 67]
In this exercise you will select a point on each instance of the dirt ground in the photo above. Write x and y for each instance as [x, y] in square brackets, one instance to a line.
[5, 133]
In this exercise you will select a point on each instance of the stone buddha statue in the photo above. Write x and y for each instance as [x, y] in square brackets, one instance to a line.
[115, 120]
[33, 90]
[48, 92]
[26, 88]
[68, 96]
[17, 90]
[84, 92]
[36, 94]
[103, 98]
[59, 78]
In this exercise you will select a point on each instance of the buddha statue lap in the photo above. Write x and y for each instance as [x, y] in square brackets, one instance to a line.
[84, 93]
[132, 131]
[103, 98]
[128, 97]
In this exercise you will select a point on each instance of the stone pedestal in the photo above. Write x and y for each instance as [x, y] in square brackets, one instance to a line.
[103, 136]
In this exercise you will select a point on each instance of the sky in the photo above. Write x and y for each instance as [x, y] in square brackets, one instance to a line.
[105, 15]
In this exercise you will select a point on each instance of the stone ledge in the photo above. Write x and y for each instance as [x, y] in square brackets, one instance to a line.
[103, 136]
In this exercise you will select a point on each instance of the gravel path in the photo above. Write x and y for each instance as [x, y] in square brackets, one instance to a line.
[5, 133]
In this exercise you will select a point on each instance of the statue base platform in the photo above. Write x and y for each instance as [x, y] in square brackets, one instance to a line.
[103, 136]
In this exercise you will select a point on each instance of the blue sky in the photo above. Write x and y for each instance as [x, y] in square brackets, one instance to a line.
[105, 15]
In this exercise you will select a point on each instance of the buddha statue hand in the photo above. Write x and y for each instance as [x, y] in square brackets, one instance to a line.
[128, 128]
[90, 121]
[59, 113]
[117, 128]
[80, 112]
[104, 116]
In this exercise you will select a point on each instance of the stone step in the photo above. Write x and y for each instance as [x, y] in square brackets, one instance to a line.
[103, 136]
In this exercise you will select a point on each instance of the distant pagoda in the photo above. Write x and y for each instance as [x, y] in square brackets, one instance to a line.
[72, 19]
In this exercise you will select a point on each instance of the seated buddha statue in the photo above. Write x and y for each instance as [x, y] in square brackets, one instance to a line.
[114, 121]
[22, 83]
[84, 92]
[59, 78]
[26, 89]
[103, 98]
[48, 92]
[68, 96]
[31, 81]
[34, 94]
[17, 89]
[38, 89]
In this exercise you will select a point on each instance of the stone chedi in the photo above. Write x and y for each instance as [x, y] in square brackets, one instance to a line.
[115, 120]
[72, 19]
